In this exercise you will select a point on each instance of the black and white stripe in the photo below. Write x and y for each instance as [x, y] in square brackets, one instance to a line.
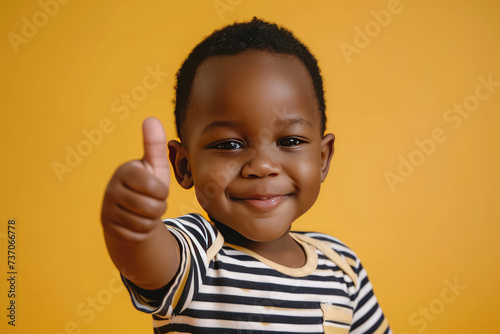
[231, 291]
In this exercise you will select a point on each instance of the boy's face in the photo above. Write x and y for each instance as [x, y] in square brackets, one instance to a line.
[252, 144]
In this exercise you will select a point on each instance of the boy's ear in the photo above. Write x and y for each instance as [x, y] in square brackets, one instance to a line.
[326, 154]
[180, 163]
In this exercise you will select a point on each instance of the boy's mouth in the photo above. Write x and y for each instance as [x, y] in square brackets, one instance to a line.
[264, 202]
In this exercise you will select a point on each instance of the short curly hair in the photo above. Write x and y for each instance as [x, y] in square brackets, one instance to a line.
[236, 38]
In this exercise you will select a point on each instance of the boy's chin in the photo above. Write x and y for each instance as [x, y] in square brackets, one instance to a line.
[267, 235]
[254, 232]
[251, 231]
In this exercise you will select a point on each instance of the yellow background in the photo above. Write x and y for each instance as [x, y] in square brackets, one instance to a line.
[439, 226]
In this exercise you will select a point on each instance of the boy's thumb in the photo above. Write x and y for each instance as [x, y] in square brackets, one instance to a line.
[155, 149]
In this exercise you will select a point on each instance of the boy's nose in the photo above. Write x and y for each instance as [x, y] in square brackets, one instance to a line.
[260, 164]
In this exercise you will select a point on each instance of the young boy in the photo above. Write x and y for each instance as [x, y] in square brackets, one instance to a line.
[250, 115]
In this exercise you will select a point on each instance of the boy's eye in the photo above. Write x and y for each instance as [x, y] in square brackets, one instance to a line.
[227, 145]
[290, 141]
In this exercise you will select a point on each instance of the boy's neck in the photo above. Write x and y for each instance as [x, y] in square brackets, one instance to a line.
[284, 250]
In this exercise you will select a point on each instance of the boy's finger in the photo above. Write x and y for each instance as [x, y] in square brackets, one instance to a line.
[135, 177]
[155, 149]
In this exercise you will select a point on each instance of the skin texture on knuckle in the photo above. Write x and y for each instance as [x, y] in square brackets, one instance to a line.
[155, 188]
[161, 207]
[144, 226]
[128, 236]
[115, 212]
[129, 172]
[153, 208]
[133, 176]
[142, 205]
[123, 170]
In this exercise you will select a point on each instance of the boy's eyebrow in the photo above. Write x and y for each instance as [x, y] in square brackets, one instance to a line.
[278, 122]
[226, 124]
[292, 121]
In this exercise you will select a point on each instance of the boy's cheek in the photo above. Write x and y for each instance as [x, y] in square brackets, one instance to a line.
[211, 181]
[219, 170]
[202, 199]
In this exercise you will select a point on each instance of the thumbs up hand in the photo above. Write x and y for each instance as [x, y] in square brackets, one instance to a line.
[139, 244]
[135, 198]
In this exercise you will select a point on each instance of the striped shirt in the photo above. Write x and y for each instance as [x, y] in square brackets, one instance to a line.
[224, 288]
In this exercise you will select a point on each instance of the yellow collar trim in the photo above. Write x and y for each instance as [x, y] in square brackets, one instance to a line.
[307, 269]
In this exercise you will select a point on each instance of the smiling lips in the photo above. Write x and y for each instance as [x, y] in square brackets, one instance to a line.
[263, 202]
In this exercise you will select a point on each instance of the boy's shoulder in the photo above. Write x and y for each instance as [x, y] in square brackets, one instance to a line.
[195, 227]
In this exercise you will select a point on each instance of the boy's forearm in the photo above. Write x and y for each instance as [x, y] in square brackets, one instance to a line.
[150, 259]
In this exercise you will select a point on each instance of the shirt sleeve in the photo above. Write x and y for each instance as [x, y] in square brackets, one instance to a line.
[196, 238]
[368, 317]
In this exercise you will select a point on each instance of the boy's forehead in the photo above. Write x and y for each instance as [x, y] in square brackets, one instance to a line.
[250, 58]
[253, 78]
[239, 66]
